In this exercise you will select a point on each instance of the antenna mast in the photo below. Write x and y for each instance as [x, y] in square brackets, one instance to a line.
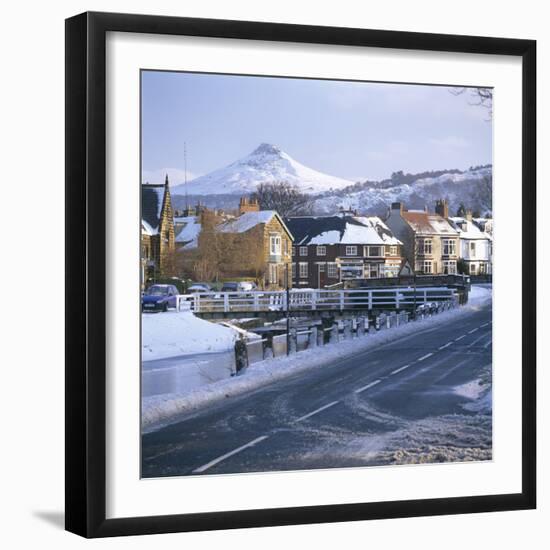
[185, 176]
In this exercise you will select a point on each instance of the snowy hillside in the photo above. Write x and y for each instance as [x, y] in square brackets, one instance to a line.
[469, 187]
[266, 164]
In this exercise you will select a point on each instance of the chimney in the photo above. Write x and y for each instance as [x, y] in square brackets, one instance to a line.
[469, 215]
[248, 205]
[397, 206]
[442, 208]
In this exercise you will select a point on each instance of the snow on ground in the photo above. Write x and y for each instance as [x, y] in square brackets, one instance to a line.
[268, 371]
[174, 333]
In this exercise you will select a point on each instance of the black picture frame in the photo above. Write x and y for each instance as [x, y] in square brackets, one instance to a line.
[86, 274]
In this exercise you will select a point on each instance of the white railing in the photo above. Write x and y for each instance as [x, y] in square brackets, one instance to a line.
[312, 300]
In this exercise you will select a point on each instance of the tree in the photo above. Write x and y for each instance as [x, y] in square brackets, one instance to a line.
[480, 96]
[461, 212]
[284, 198]
[485, 193]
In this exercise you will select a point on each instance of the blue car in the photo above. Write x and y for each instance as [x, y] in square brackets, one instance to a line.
[159, 298]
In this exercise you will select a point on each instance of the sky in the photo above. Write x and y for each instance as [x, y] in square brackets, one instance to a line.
[354, 130]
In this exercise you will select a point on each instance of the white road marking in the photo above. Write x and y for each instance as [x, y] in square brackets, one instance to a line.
[227, 455]
[473, 330]
[489, 342]
[445, 346]
[316, 411]
[424, 357]
[460, 338]
[368, 386]
[399, 369]
[486, 324]
[477, 340]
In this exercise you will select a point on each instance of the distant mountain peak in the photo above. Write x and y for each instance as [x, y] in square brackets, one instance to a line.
[266, 149]
[266, 164]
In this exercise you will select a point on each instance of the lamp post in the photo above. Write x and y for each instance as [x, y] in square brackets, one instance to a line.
[287, 310]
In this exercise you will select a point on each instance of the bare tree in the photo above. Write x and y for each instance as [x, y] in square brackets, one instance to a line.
[479, 96]
[283, 197]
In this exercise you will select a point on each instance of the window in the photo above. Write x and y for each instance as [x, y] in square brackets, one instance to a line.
[427, 267]
[321, 251]
[449, 267]
[321, 268]
[372, 270]
[303, 270]
[428, 246]
[273, 274]
[303, 251]
[332, 270]
[351, 251]
[275, 245]
[472, 249]
[294, 251]
[449, 247]
[393, 250]
[375, 251]
[294, 270]
[285, 246]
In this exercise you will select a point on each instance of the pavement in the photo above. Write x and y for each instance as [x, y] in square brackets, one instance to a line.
[391, 401]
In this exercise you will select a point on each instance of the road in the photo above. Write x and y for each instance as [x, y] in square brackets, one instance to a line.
[396, 400]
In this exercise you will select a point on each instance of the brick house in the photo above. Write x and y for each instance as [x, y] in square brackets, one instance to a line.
[257, 244]
[430, 242]
[330, 249]
[157, 231]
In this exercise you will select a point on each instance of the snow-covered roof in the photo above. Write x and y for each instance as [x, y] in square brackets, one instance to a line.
[340, 230]
[187, 229]
[468, 229]
[152, 197]
[248, 220]
[146, 229]
[426, 223]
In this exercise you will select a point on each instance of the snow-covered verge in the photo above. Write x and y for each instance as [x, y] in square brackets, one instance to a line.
[162, 409]
[446, 438]
[174, 333]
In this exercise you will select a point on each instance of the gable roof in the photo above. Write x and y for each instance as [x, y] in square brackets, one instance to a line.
[468, 229]
[152, 197]
[248, 220]
[424, 222]
[340, 230]
[187, 230]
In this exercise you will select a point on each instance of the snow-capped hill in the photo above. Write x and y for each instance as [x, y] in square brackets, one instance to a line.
[471, 187]
[266, 164]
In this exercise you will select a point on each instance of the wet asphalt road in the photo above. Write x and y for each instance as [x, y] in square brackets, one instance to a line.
[281, 426]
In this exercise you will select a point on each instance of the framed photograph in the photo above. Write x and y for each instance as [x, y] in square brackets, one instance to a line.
[300, 274]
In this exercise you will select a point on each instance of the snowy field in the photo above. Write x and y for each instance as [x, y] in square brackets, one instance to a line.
[159, 410]
[172, 334]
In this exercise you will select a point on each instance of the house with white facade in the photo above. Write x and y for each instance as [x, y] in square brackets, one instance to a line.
[476, 246]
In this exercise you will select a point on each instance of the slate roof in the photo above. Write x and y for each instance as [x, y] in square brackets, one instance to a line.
[152, 196]
[248, 220]
[424, 222]
[340, 230]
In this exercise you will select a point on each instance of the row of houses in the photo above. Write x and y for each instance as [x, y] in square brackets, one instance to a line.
[316, 251]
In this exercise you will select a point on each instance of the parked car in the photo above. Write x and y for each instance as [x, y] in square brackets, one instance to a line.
[199, 287]
[242, 286]
[159, 298]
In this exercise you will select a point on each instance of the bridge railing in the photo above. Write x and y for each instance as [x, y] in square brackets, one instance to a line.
[313, 300]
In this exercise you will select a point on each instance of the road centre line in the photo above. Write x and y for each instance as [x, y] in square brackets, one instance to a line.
[488, 343]
[424, 357]
[316, 411]
[445, 346]
[473, 330]
[359, 390]
[460, 338]
[399, 369]
[209, 465]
